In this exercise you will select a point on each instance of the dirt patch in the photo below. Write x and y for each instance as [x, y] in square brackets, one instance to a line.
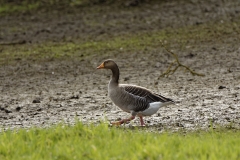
[45, 93]
[97, 22]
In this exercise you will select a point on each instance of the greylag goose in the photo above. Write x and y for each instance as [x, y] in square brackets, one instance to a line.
[133, 99]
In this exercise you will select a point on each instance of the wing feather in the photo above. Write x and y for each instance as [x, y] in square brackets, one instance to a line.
[145, 93]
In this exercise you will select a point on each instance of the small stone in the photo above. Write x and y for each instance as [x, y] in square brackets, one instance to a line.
[190, 55]
[36, 101]
[126, 78]
[221, 87]
[158, 65]
[18, 108]
[167, 117]
[227, 118]
[40, 109]
[74, 97]
[179, 124]
[214, 48]
[237, 88]
[232, 108]
[198, 23]
[8, 111]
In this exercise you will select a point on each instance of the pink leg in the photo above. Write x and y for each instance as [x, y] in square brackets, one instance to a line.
[118, 123]
[141, 120]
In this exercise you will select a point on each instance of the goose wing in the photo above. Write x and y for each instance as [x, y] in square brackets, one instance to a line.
[145, 93]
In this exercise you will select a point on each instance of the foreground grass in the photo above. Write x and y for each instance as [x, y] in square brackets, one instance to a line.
[102, 142]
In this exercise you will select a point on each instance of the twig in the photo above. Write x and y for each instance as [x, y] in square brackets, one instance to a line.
[170, 71]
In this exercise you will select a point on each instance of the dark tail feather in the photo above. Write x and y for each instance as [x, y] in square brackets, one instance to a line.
[170, 100]
[166, 99]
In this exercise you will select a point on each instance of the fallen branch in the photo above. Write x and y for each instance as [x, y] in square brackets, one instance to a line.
[178, 64]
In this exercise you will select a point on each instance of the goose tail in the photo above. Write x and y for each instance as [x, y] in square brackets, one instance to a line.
[170, 101]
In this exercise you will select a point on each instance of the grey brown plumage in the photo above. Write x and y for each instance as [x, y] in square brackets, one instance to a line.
[131, 98]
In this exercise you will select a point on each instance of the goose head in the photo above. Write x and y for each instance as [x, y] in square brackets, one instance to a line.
[110, 64]
[107, 64]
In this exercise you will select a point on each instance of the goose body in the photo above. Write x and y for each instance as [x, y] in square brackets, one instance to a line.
[138, 101]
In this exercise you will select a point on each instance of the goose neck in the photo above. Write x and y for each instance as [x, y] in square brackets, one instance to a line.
[115, 75]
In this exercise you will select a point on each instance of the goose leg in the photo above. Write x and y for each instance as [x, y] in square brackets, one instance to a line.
[141, 121]
[118, 123]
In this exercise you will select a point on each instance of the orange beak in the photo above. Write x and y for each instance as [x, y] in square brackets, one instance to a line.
[101, 66]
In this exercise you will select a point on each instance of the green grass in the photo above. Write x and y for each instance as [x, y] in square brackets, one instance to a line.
[16, 8]
[121, 44]
[12, 7]
[103, 142]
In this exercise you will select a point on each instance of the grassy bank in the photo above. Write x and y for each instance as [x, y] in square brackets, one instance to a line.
[26, 6]
[143, 41]
[103, 142]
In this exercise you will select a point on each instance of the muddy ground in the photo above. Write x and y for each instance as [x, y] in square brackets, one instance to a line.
[45, 93]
